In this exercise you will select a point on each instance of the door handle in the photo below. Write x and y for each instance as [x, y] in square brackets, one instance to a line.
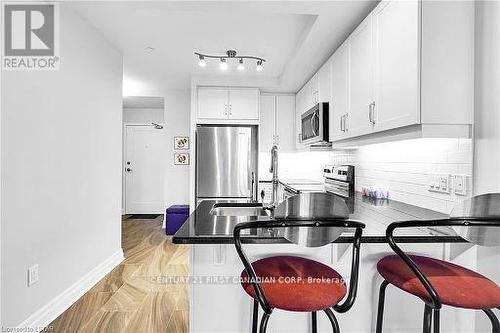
[128, 170]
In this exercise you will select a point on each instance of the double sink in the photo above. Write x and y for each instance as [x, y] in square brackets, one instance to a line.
[253, 210]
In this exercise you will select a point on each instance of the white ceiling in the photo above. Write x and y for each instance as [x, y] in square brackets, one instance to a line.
[294, 37]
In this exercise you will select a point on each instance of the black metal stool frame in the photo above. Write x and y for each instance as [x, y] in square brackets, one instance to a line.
[279, 223]
[431, 309]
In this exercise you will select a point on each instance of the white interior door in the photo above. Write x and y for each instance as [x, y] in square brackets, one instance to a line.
[144, 169]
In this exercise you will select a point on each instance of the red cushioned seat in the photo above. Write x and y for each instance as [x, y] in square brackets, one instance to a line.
[456, 286]
[296, 284]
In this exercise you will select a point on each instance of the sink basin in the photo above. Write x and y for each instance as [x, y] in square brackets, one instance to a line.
[238, 209]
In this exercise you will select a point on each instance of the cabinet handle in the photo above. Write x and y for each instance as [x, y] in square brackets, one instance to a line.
[225, 109]
[346, 122]
[342, 123]
[230, 109]
[370, 112]
[373, 113]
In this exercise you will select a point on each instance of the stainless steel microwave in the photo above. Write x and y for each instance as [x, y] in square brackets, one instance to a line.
[314, 125]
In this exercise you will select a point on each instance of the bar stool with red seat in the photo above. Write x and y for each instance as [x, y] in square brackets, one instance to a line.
[298, 284]
[438, 282]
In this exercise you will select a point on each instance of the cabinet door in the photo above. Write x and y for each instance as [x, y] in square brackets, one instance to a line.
[396, 67]
[300, 108]
[212, 103]
[244, 104]
[361, 83]
[314, 89]
[285, 122]
[267, 122]
[325, 84]
[339, 106]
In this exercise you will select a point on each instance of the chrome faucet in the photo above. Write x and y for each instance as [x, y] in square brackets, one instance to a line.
[275, 181]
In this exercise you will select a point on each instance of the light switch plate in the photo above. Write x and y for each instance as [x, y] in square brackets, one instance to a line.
[33, 275]
[460, 184]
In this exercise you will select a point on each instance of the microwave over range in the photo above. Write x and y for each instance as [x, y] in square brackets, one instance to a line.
[314, 125]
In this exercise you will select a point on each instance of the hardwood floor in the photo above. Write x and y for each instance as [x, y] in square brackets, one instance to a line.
[135, 297]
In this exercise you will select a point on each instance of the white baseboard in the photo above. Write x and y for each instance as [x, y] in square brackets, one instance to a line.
[44, 316]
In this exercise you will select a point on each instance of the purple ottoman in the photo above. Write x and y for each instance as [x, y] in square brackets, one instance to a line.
[175, 217]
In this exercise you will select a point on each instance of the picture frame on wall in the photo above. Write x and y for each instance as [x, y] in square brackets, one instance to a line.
[181, 158]
[181, 142]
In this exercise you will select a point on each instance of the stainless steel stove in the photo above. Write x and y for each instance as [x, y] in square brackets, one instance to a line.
[339, 180]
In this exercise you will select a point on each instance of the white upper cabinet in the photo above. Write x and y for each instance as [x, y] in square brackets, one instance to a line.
[212, 103]
[403, 68]
[325, 82]
[396, 64]
[243, 103]
[267, 122]
[220, 103]
[285, 116]
[361, 83]
[339, 106]
[277, 122]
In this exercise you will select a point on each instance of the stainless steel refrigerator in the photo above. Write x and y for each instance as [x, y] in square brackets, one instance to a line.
[226, 162]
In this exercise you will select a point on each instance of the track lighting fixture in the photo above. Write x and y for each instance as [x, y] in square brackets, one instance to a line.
[230, 54]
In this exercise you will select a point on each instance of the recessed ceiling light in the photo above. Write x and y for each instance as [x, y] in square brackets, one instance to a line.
[149, 49]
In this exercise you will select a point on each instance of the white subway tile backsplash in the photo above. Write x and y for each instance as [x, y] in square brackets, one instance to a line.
[406, 168]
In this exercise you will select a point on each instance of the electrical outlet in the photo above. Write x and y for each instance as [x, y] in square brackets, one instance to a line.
[460, 184]
[33, 275]
[439, 183]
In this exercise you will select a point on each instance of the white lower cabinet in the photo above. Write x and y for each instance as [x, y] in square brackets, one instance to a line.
[277, 122]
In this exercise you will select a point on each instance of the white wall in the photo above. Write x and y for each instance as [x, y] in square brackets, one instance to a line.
[177, 106]
[143, 115]
[61, 164]
[487, 126]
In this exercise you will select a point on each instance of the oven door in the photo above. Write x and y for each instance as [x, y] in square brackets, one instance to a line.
[311, 129]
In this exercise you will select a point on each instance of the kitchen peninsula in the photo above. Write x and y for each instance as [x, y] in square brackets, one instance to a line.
[213, 255]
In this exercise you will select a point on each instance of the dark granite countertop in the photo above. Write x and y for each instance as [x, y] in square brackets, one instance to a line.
[204, 228]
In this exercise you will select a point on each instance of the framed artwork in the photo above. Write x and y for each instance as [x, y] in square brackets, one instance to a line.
[181, 158]
[181, 142]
